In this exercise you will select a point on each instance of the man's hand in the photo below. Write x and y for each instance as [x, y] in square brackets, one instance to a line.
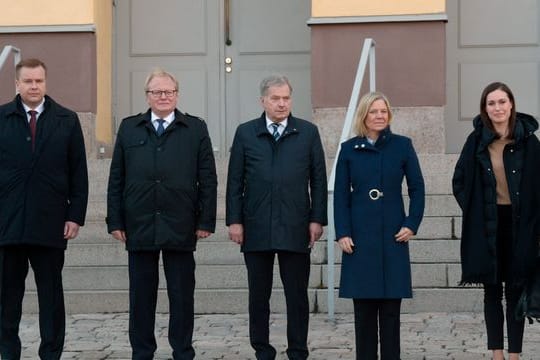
[315, 233]
[203, 234]
[71, 230]
[119, 235]
[236, 233]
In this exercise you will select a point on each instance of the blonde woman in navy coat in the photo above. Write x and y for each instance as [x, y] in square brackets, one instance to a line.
[372, 227]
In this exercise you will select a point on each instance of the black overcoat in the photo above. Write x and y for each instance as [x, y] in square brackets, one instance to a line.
[276, 188]
[474, 188]
[40, 190]
[162, 189]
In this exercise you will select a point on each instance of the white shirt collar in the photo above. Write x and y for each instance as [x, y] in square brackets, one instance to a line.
[39, 109]
[281, 128]
[168, 119]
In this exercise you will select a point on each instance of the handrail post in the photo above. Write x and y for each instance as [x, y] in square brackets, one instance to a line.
[368, 53]
[8, 49]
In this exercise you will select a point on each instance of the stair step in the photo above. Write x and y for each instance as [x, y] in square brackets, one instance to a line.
[229, 301]
[208, 252]
[104, 278]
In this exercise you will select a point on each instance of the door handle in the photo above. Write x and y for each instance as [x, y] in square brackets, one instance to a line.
[227, 11]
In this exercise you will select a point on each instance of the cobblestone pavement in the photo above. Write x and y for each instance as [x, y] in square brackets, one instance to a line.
[425, 336]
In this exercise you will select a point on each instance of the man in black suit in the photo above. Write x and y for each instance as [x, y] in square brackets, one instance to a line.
[161, 200]
[43, 198]
[276, 205]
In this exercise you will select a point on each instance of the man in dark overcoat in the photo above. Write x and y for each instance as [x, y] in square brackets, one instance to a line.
[43, 198]
[162, 199]
[276, 205]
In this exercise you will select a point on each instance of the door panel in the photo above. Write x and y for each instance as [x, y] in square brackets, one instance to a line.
[267, 37]
[181, 36]
[187, 38]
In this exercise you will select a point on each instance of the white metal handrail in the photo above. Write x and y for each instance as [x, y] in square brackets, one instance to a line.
[6, 51]
[368, 53]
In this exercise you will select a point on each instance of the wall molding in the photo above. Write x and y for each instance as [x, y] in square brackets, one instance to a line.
[47, 28]
[376, 19]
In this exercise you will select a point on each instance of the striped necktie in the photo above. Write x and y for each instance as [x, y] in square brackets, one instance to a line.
[275, 132]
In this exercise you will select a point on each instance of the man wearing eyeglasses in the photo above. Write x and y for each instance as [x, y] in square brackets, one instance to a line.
[161, 199]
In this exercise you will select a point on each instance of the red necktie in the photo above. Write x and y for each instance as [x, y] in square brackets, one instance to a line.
[32, 125]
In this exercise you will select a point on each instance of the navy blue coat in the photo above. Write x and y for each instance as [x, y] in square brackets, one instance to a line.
[275, 189]
[379, 267]
[41, 190]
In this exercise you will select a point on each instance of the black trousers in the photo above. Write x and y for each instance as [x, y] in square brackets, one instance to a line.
[179, 267]
[372, 316]
[493, 293]
[294, 271]
[47, 264]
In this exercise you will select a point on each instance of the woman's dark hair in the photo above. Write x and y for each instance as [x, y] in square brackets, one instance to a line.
[483, 113]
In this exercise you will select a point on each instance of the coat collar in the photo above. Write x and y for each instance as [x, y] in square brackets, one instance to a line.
[262, 130]
[48, 120]
[146, 120]
[362, 143]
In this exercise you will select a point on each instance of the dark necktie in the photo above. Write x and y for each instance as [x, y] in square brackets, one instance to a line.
[160, 129]
[32, 124]
[275, 132]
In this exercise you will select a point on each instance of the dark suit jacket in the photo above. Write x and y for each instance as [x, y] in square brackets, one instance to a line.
[162, 189]
[41, 190]
[275, 189]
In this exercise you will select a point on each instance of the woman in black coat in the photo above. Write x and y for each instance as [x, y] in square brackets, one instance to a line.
[494, 184]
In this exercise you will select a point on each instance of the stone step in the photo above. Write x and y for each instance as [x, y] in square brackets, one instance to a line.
[208, 252]
[425, 251]
[220, 252]
[226, 301]
[465, 299]
[104, 278]
[424, 275]
[432, 228]
[229, 301]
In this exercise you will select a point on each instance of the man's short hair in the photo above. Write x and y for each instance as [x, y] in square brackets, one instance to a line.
[274, 80]
[29, 63]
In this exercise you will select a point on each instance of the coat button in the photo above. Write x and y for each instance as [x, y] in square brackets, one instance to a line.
[141, 142]
[513, 171]
[356, 146]
[158, 149]
[28, 138]
[158, 212]
[363, 145]
[158, 181]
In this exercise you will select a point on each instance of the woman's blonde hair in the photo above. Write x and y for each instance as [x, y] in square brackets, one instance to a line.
[363, 108]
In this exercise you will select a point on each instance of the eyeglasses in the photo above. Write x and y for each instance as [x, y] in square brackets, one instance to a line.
[159, 93]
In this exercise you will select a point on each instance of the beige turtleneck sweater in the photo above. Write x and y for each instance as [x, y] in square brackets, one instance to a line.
[496, 155]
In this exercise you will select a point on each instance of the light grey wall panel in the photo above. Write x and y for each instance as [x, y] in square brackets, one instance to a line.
[473, 78]
[498, 22]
